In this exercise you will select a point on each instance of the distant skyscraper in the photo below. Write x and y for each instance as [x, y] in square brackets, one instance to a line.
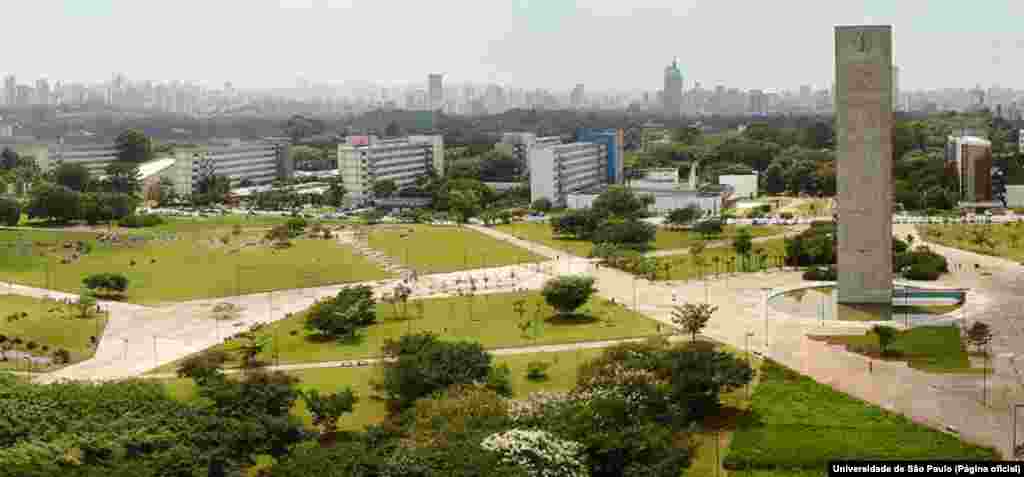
[10, 90]
[757, 105]
[672, 96]
[42, 91]
[436, 91]
[576, 98]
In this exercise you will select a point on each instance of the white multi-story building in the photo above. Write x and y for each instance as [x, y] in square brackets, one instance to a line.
[94, 157]
[243, 163]
[559, 170]
[365, 160]
[519, 144]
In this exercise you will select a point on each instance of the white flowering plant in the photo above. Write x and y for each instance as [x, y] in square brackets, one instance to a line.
[541, 453]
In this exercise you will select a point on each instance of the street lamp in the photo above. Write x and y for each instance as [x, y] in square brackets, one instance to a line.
[747, 336]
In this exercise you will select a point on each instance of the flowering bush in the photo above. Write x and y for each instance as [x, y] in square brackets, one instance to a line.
[541, 453]
[536, 405]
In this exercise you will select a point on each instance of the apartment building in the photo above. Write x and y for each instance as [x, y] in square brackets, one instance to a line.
[244, 163]
[365, 160]
[559, 170]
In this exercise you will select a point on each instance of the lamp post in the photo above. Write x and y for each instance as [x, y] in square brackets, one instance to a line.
[1016, 451]
[766, 292]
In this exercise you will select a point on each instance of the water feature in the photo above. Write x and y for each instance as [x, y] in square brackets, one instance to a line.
[913, 306]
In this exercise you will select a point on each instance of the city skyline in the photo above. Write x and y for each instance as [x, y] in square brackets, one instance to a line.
[519, 43]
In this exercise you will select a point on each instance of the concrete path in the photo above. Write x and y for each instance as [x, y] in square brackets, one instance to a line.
[352, 363]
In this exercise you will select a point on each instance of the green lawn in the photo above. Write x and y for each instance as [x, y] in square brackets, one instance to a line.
[487, 319]
[798, 423]
[49, 323]
[665, 239]
[1000, 240]
[936, 349]
[683, 266]
[197, 265]
[562, 377]
[436, 248]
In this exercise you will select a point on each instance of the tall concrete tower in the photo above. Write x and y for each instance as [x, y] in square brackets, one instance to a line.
[864, 93]
[672, 96]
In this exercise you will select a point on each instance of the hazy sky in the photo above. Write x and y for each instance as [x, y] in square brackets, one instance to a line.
[530, 43]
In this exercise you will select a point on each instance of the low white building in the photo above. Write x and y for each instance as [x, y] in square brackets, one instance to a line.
[665, 199]
[744, 185]
[365, 160]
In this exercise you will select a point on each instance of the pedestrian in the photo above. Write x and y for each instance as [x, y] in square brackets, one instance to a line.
[871, 366]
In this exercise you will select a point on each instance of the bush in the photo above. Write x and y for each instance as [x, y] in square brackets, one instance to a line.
[542, 204]
[921, 264]
[296, 225]
[144, 220]
[537, 370]
[821, 274]
[353, 308]
[567, 293]
[708, 227]
[425, 365]
[10, 211]
[202, 365]
[106, 283]
[629, 232]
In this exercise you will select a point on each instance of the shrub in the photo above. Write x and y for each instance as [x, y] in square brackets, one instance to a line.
[144, 220]
[539, 452]
[542, 204]
[62, 356]
[708, 227]
[341, 316]
[569, 292]
[821, 274]
[537, 370]
[10, 211]
[107, 283]
[425, 365]
[202, 365]
[296, 225]
[632, 232]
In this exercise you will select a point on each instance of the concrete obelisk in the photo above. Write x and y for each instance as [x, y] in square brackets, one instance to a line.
[864, 132]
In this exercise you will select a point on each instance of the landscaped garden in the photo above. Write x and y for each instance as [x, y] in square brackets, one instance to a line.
[436, 248]
[664, 238]
[493, 320]
[50, 332]
[163, 267]
[797, 424]
[561, 372]
[936, 349]
[1000, 240]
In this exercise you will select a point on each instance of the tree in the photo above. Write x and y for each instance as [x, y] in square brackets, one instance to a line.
[8, 159]
[680, 217]
[697, 254]
[123, 178]
[133, 146]
[634, 233]
[203, 365]
[10, 211]
[464, 204]
[885, 336]
[106, 283]
[425, 365]
[54, 202]
[690, 318]
[621, 202]
[743, 243]
[542, 204]
[774, 180]
[86, 302]
[979, 335]
[568, 292]
[73, 176]
[384, 188]
[326, 409]
[336, 191]
[699, 376]
[298, 127]
[579, 223]
[353, 308]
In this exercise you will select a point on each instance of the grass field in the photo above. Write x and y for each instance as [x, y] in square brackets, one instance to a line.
[434, 248]
[1000, 240]
[49, 323]
[683, 266]
[936, 349]
[797, 423]
[196, 265]
[487, 319]
[665, 239]
[562, 377]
